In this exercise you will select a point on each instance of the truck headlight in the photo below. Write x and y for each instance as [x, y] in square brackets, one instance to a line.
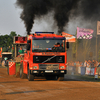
[34, 67]
[61, 67]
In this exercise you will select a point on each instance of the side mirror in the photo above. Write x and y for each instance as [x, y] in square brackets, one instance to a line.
[67, 45]
[28, 46]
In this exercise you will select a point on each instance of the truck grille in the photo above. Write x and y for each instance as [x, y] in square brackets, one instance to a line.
[49, 66]
[48, 59]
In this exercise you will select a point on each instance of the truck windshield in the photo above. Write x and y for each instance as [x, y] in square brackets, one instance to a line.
[48, 45]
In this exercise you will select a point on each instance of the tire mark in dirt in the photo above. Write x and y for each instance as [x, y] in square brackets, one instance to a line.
[25, 92]
[10, 82]
[19, 92]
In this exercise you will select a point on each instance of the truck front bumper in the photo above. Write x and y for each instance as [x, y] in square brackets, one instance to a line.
[56, 72]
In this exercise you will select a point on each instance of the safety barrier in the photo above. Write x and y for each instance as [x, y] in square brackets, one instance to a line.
[90, 71]
[81, 70]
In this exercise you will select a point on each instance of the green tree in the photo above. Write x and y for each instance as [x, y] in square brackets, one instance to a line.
[1, 41]
[12, 34]
[19, 35]
[7, 40]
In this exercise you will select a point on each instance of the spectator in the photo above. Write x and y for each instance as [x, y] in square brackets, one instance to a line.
[78, 64]
[88, 64]
[81, 64]
[93, 63]
[6, 61]
[75, 63]
[96, 64]
[21, 51]
[85, 63]
[98, 69]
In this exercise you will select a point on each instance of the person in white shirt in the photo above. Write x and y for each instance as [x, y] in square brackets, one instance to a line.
[85, 63]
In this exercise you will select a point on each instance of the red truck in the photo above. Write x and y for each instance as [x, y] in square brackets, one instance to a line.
[46, 56]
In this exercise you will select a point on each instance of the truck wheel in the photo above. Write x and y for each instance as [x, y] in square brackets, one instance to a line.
[30, 76]
[22, 75]
[60, 77]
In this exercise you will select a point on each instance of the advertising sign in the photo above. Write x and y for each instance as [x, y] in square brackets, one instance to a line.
[19, 40]
[90, 71]
[83, 33]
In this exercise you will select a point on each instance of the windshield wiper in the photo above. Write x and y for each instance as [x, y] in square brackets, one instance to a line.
[49, 59]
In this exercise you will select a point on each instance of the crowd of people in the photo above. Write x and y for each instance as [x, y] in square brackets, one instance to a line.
[86, 63]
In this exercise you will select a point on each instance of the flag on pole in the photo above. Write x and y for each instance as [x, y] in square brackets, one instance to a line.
[69, 37]
[83, 33]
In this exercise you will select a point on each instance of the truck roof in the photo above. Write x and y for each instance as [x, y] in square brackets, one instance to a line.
[44, 35]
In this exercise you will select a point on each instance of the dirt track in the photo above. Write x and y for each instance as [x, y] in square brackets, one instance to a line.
[12, 88]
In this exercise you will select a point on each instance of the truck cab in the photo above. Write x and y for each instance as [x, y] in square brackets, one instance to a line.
[46, 56]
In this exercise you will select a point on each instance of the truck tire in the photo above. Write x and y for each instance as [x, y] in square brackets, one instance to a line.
[30, 76]
[22, 75]
[61, 77]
